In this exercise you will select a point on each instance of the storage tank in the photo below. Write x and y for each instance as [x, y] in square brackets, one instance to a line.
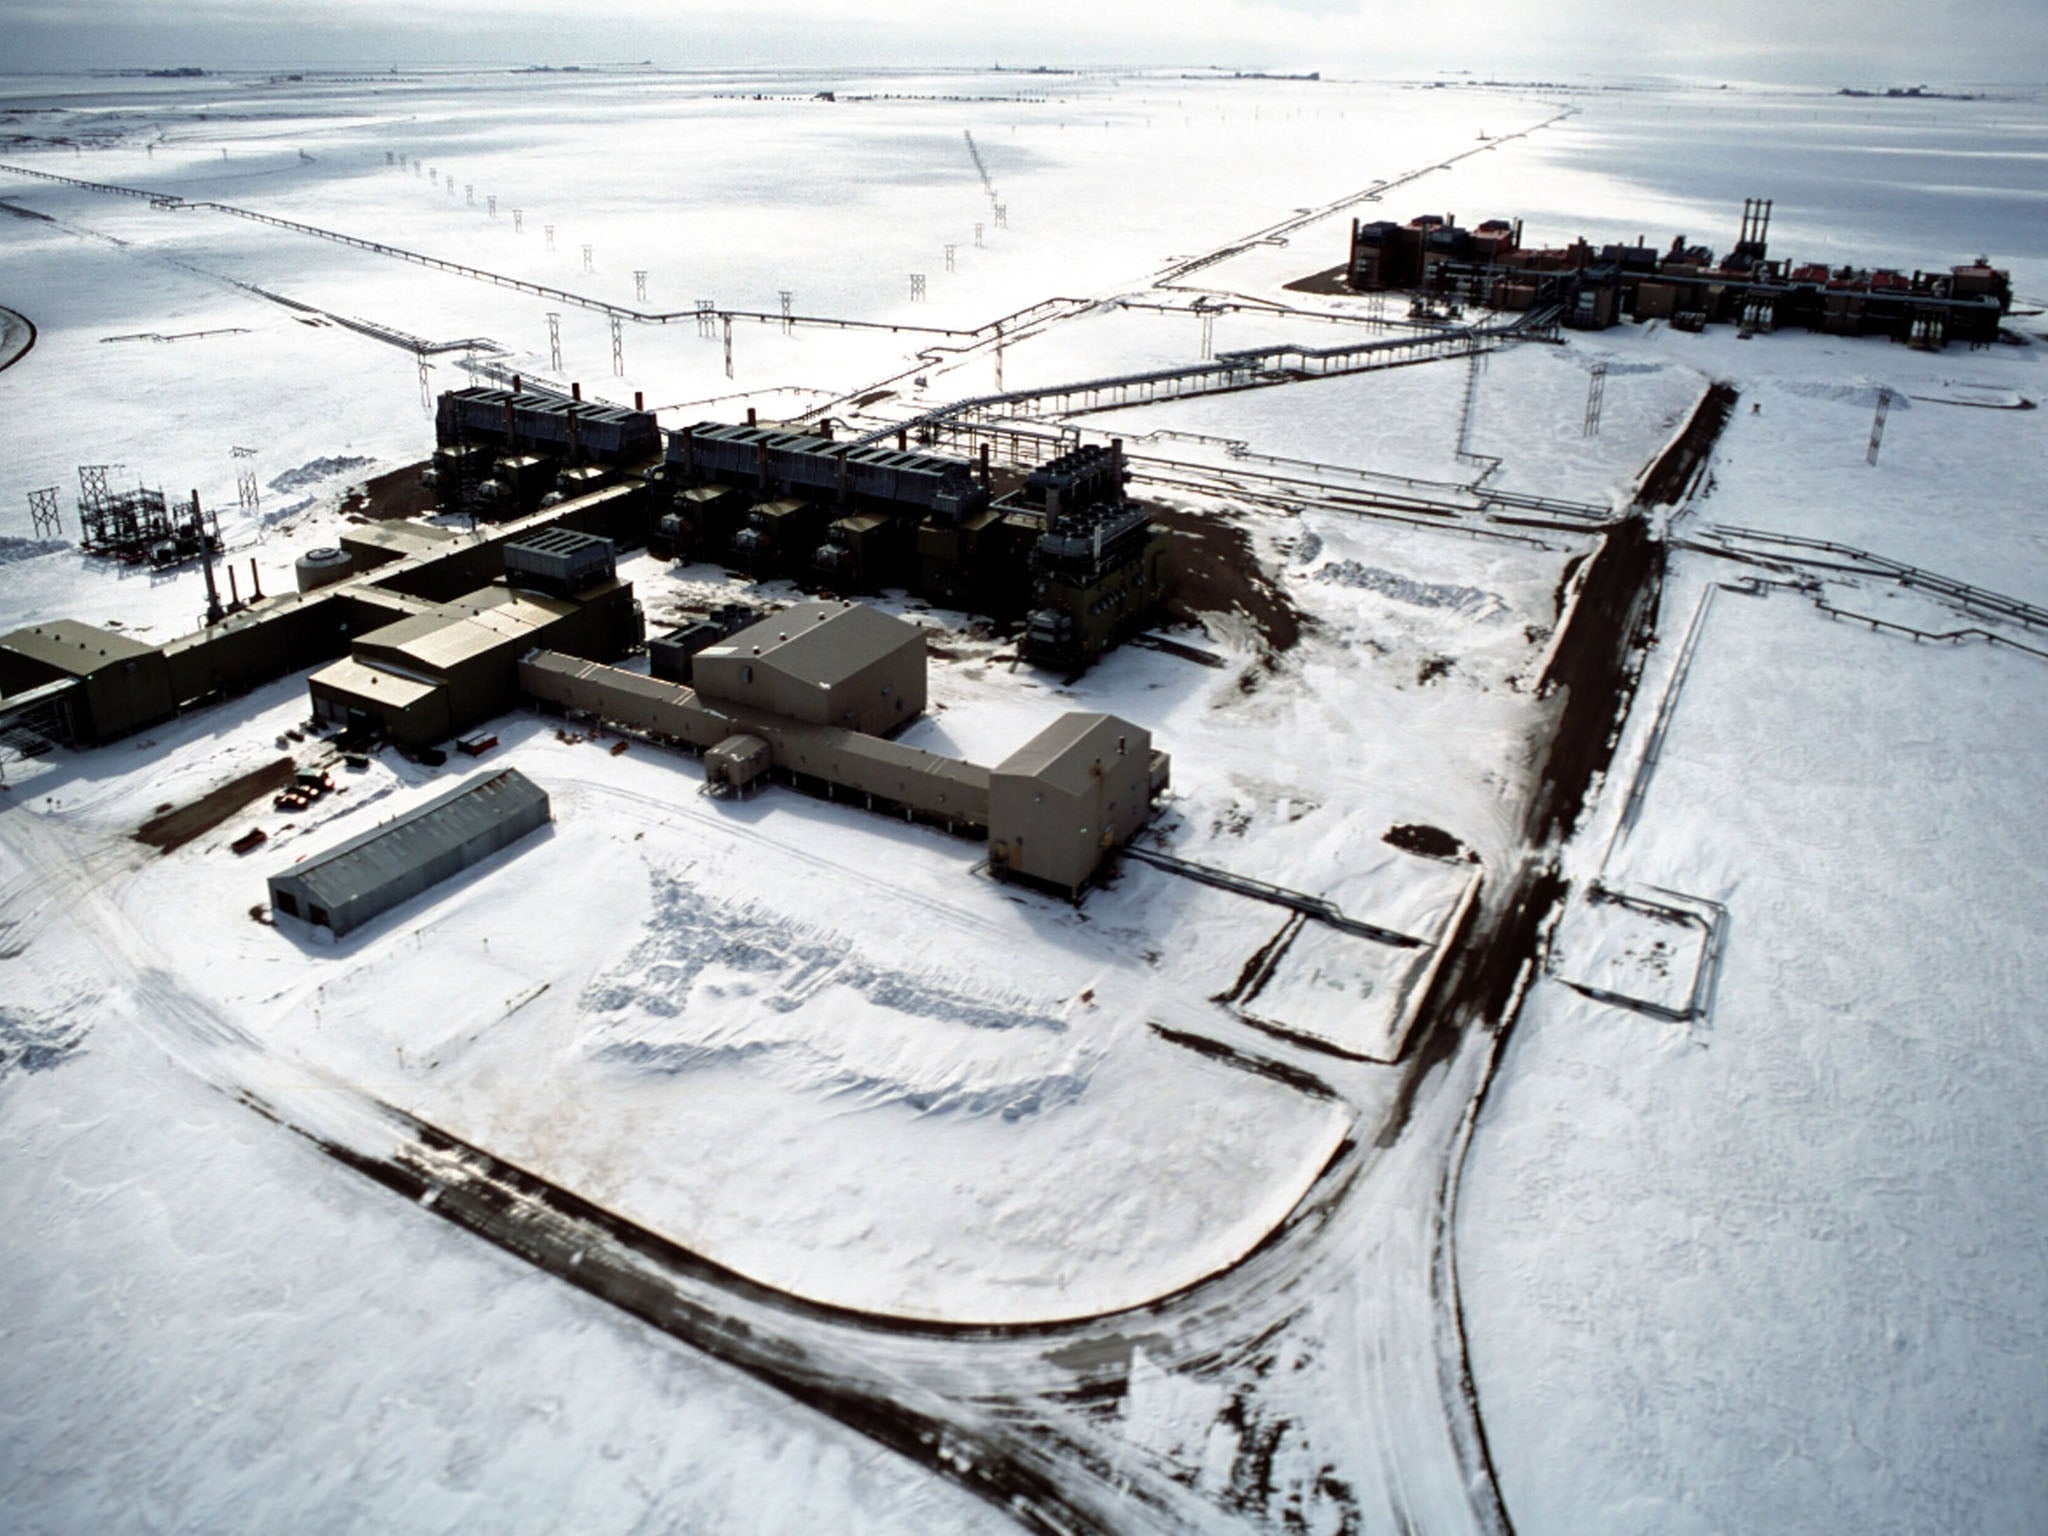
[318, 568]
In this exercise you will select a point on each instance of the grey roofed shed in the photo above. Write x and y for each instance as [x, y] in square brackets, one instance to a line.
[376, 870]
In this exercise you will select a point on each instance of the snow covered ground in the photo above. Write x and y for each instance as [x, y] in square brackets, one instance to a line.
[1768, 1268]
[1780, 1267]
[208, 1327]
[1774, 1265]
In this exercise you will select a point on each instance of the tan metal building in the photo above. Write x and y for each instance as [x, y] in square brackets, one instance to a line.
[839, 664]
[1080, 787]
[1054, 809]
[432, 674]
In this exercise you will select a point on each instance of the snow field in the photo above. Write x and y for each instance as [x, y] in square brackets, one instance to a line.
[1772, 1272]
[1777, 1270]
[208, 1325]
[736, 1028]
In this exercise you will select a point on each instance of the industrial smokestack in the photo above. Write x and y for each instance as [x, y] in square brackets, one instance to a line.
[255, 586]
[750, 416]
[902, 439]
[639, 400]
[984, 464]
[575, 391]
[213, 613]
[234, 597]
[515, 383]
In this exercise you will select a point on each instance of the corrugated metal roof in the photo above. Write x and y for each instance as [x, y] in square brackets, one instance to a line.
[827, 642]
[371, 860]
[1062, 754]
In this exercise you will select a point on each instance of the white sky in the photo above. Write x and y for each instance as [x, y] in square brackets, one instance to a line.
[1822, 42]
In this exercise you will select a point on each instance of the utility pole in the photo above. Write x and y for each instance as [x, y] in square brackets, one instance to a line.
[42, 514]
[246, 487]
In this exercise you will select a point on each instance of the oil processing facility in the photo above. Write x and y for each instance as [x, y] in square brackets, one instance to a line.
[1065, 550]
[416, 633]
[1684, 285]
[811, 696]
[437, 622]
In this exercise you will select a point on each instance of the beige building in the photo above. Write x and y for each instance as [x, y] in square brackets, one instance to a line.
[838, 664]
[1080, 787]
[1052, 811]
[430, 675]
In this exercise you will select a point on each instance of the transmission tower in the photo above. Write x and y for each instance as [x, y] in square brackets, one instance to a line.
[426, 383]
[1208, 333]
[1884, 406]
[469, 194]
[640, 285]
[707, 320]
[42, 514]
[247, 490]
[549, 231]
[433, 177]
[1596, 394]
[949, 258]
[555, 340]
[390, 158]
[1002, 215]
[586, 259]
[977, 237]
[518, 221]
[618, 349]
[728, 346]
[917, 287]
[491, 202]
[788, 301]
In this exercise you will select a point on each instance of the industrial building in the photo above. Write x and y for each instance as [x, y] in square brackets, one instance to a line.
[824, 664]
[371, 873]
[1065, 549]
[1683, 285]
[453, 665]
[1082, 786]
[1098, 568]
[504, 452]
[74, 683]
[806, 695]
